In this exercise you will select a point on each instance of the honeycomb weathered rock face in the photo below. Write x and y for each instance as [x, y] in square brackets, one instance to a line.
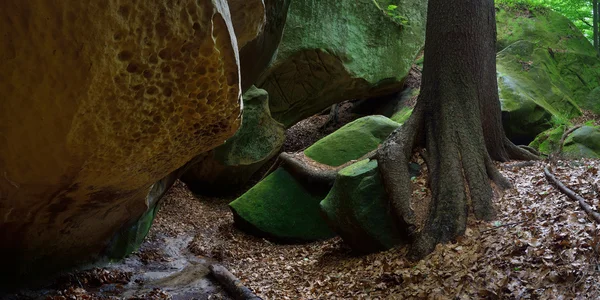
[100, 100]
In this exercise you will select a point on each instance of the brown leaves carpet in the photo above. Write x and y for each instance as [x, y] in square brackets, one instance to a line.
[541, 246]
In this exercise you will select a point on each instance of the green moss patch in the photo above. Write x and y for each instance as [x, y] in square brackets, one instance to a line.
[351, 141]
[548, 142]
[583, 143]
[280, 207]
[356, 207]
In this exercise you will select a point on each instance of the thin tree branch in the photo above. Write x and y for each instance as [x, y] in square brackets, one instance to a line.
[571, 194]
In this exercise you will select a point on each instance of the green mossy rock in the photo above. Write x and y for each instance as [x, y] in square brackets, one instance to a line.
[583, 143]
[546, 68]
[351, 141]
[229, 167]
[548, 142]
[402, 115]
[280, 207]
[338, 50]
[531, 91]
[356, 208]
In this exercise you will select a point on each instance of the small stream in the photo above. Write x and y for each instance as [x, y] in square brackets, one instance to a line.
[176, 273]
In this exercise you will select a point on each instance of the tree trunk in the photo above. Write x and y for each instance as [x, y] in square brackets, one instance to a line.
[596, 20]
[457, 106]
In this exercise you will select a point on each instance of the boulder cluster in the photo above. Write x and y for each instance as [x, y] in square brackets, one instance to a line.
[107, 104]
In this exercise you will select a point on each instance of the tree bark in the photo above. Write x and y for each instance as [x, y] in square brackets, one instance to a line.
[458, 120]
[596, 20]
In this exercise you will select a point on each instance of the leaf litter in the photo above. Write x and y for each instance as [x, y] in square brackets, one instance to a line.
[541, 245]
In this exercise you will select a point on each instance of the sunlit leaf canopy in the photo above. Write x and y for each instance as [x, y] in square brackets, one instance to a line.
[578, 11]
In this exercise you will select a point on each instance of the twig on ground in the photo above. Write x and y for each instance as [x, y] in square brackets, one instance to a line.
[232, 285]
[272, 169]
[571, 194]
[506, 225]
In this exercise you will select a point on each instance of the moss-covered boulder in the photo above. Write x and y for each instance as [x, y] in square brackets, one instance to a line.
[583, 142]
[107, 98]
[337, 50]
[228, 167]
[546, 68]
[351, 141]
[281, 207]
[356, 207]
[287, 208]
[548, 142]
[531, 91]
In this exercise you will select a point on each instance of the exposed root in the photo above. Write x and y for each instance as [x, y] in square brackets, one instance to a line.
[316, 176]
[520, 152]
[564, 137]
[495, 175]
[393, 158]
[530, 149]
[571, 194]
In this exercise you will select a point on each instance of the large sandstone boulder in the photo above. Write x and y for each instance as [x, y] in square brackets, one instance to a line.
[286, 207]
[546, 68]
[229, 167]
[581, 143]
[101, 100]
[248, 18]
[352, 141]
[220, 172]
[357, 209]
[337, 50]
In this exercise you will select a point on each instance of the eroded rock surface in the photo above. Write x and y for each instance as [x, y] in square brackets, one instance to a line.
[546, 69]
[101, 100]
[338, 50]
[228, 167]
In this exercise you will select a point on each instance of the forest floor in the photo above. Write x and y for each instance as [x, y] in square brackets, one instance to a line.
[540, 246]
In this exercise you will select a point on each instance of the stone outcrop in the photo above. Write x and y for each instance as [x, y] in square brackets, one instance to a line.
[583, 142]
[100, 101]
[546, 69]
[228, 167]
[357, 209]
[286, 207]
[338, 50]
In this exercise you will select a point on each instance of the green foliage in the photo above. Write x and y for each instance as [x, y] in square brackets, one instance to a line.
[578, 11]
[557, 121]
[392, 11]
